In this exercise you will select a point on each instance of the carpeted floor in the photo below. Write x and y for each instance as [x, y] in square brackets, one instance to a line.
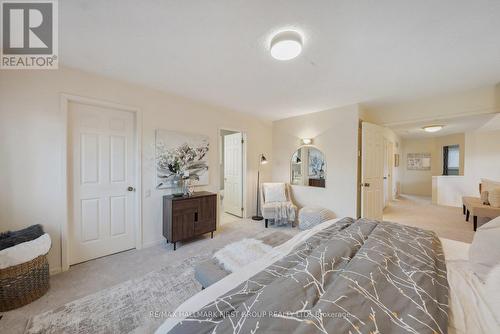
[140, 275]
[124, 273]
[448, 222]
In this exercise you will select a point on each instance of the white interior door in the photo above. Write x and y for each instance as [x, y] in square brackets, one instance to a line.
[102, 168]
[386, 172]
[233, 174]
[390, 171]
[372, 171]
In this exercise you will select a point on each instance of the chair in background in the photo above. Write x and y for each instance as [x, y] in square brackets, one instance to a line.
[277, 204]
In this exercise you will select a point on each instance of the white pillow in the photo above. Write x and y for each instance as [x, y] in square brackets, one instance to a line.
[484, 252]
[274, 192]
[492, 293]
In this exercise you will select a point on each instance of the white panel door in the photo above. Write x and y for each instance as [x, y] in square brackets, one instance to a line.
[102, 168]
[372, 171]
[390, 170]
[233, 174]
[386, 172]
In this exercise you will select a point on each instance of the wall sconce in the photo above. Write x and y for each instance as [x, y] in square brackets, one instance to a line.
[306, 141]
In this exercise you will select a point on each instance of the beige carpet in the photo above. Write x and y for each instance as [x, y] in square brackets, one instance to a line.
[113, 274]
[448, 222]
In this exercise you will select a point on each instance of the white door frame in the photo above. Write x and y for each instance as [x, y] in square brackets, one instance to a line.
[243, 165]
[66, 183]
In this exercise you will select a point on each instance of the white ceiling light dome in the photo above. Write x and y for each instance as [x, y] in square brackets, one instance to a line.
[286, 45]
[433, 128]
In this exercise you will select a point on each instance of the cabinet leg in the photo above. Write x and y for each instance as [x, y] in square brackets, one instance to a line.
[475, 223]
[467, 216]
[212, 235]
[463, 209]
[175, 244]
[267, 221]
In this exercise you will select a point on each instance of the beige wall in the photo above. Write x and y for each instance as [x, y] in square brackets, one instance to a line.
[482, 158]
[417, 182]
[32, 138]
[420, 182]
[335, 132]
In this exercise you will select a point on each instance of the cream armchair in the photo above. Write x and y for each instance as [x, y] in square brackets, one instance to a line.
[276, 203]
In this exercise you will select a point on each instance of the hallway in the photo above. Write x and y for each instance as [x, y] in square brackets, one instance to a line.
[448, 222]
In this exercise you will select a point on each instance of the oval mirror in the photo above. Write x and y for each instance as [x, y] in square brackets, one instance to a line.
[308, 167]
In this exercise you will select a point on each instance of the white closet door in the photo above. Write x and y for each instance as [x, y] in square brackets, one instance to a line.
[101, 172]
[233, 174]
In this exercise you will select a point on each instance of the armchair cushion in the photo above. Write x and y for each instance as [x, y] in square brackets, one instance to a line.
[274, 192]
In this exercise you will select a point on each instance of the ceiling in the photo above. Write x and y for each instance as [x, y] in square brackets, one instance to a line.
[354, 51]
[454, 125]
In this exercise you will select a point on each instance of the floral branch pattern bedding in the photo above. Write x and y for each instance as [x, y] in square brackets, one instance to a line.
[352, 277]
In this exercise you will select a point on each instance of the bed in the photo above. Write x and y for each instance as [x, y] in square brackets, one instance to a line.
[345, 276]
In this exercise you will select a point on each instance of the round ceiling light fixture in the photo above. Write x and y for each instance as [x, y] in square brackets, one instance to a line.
[286, 45]
[433, 128]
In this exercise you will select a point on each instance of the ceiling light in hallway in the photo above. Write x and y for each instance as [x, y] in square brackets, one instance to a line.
[433, 128]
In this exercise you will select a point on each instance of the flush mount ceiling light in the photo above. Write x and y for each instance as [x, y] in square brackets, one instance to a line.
[286, 45]
[306, 141]
[432, 128]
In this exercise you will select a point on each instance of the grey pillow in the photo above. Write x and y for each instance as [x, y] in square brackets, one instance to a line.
[484, 252]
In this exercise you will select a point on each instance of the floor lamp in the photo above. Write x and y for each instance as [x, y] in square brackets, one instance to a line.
[262, 161]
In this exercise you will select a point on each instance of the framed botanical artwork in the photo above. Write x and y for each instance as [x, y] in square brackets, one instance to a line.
[181, 156]
[418, 161]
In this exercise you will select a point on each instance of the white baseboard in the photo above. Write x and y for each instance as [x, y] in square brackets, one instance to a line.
[153, 243]
[55, 270]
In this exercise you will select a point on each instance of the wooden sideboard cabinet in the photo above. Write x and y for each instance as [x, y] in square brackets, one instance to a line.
[187, 217]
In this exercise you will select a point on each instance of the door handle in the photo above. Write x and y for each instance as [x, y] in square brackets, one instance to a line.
[366, 185]
[130, 188]
[385, 177]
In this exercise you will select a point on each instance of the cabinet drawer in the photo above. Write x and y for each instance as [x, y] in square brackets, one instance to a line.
[184, 204]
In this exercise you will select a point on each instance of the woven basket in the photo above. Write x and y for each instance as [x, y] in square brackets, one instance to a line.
[24, 283]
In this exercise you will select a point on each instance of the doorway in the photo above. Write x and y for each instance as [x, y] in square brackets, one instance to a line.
[232, 175]
[103, 180]
[372, 171]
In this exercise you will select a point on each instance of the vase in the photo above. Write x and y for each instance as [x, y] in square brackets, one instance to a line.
[178, 187]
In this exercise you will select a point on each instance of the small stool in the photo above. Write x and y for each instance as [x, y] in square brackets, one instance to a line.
[312, 216]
